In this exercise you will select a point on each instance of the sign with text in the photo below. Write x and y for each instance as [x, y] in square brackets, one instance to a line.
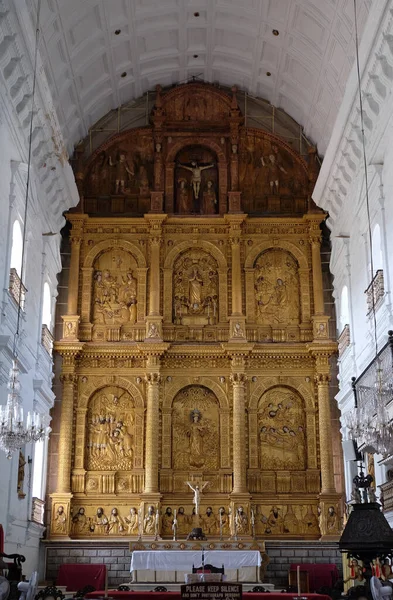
[211, 591]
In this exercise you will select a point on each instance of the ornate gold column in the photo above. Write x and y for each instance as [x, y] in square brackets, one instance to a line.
[62, 498]
[320, 320]
[237, 320]
[238, 380]
[154, 318]
[71, 319]
[152, 379]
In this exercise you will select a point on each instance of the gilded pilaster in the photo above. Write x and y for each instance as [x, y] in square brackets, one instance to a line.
[237, 319]
[71, 320]
[154, 319]
[322, 379]
[152, 417]
[238, 380]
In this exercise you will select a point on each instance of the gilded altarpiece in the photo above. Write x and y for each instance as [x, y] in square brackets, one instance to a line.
[195, 345]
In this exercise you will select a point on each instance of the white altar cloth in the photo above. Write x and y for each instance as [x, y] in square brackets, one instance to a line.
[183, 560]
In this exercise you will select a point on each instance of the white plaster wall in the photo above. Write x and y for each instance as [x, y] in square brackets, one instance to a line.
[341, 191]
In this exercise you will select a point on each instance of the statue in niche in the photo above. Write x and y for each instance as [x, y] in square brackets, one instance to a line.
[195, 289]
[209, 199]
[122, 172]
[110, 437]
[182, 520]
[98, 180]
[149, 522]
[60, 520]
[195, 430]
[132, 522]
[277, 288]
[196, 177]
[282, 435]
[184, 205]
[310, 521]
[115, 289]
[272, 164]
[290, 522]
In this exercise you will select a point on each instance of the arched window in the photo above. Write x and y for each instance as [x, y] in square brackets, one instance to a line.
[47, 307]
[344, 308]
[377, 249]
[16, 250]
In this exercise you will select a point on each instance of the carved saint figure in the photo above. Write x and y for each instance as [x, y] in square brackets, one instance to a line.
[149, 522]
[116, 522]
[182, 520]
[241, 521]
[209, 199]
[132, 522]
[21, 475]
[224, 520]
[195, 288]
[80, 522]
[100, 521]
[209, 521]
[196, 433]
[122, 169]
[184, 207]
[197, 494]
[167, 521]
[273, 166]
[196, 177]
[60, 520]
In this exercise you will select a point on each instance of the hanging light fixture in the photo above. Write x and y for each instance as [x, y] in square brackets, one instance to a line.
[14, 432]
[369, 423]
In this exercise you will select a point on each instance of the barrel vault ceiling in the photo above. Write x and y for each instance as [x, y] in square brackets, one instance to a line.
[99, 54]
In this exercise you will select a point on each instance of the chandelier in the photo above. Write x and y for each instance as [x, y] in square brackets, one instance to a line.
[14, 433]
[369, 424]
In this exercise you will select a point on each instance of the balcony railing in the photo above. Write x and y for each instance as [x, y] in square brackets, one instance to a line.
[17, 289]
[375, 292]
[344, 340]
[47, 339]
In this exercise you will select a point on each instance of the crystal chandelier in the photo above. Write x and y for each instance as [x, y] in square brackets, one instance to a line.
[13, 432]
[369, 424]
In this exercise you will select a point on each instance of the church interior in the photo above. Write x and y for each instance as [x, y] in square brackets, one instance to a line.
[195, 338]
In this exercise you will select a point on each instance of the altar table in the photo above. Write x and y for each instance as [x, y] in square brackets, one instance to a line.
[180, 562]
[319, 575]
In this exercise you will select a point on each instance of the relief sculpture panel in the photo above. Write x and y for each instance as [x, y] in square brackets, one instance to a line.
[195, 429]
[110, 431]
[282, 434]
[195, 293]
[277, 289]
[115, 289]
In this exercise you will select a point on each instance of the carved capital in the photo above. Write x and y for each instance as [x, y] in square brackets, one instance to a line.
[238, 379]
[234, 241]
[68, 378]
[155, 241]
[322, 378]
[152, 378]
[76, 240]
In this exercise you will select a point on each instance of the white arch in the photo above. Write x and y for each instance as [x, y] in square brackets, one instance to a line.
[377, 249]
[344, 308]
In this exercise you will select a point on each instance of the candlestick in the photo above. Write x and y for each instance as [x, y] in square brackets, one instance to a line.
[220, 525]
[298, 579]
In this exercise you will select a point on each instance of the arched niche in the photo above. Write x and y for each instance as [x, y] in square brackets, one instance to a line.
[196, 181]
[220, 284]
[114, 274]
[110, 431]
[181, 398]
[297, 275]
[282, 430]
[196, 141]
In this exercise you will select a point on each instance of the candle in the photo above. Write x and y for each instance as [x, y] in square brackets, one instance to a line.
[298, 579]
